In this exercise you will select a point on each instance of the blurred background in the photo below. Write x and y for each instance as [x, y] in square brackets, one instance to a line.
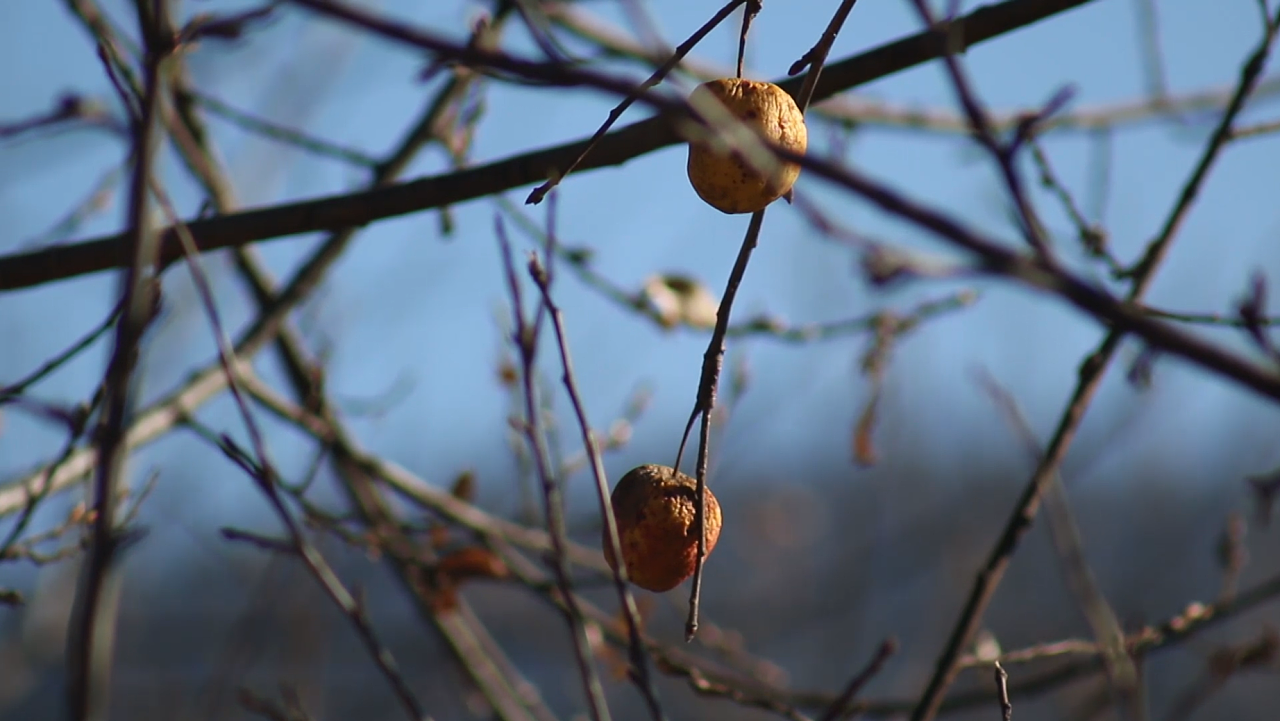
[843, 526]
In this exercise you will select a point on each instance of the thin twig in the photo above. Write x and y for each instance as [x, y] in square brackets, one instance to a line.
[11, 391]
[838, 707]
[749, 13]
[280, 133]
[526, 339]
[1002, 691]
[26, 550]
[704, 405]
[68, 108]
[275, 545]
[1256, 130]
[1232, 555]
[980, 125]
[682, 50]
[1070, 550]
[1092, 237]
[1148, 29]
[97, 200]
[816, 58]
[639, 659]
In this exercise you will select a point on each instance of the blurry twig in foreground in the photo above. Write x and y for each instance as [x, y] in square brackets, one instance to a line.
[1266, 488]
[1069, 548]
[1256, 131]
[1153, 62]
[280, 133]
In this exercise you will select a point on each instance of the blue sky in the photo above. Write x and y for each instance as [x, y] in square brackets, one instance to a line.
[411, 313]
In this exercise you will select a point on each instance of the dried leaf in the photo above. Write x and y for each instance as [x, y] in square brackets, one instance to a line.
[473, 562]
[464, 486]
